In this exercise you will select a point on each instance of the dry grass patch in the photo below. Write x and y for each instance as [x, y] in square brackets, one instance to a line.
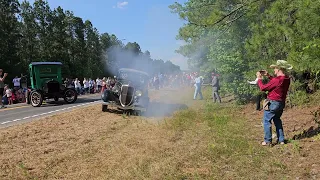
[206, 141]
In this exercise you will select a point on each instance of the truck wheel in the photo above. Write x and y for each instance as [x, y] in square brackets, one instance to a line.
[70, 96]
[36, 98]
[104, 108]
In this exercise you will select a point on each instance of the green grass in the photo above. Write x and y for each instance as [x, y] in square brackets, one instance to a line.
[228, 147]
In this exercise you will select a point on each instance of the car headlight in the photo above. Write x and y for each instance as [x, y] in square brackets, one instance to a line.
[138, 93]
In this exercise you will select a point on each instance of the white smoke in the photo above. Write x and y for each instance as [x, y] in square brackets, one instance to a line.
[117, 58]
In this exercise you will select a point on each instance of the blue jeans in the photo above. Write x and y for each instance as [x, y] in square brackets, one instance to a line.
[274, 113]
[197, 91]
[78, 90]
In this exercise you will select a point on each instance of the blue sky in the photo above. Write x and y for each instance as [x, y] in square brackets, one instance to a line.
[150, 23]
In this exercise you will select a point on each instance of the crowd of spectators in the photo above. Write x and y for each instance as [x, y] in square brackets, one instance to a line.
[173, 80]
[15, 92]
[13, 95]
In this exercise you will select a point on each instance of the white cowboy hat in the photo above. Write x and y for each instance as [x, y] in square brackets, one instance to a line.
[282, 64]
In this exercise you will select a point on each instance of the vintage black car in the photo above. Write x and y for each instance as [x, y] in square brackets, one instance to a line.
[129, 94]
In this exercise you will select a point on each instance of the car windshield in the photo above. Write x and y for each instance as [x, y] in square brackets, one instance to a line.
[134, 77]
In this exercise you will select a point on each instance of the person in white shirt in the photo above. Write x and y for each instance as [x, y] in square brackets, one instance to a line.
[77, 85]
[98, 83]
[261, 95]
[198, 82]
[8, 93]
[86, 85]
[16, 83]
[253, 82]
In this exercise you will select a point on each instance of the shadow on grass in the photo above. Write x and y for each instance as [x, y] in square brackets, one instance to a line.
[312, 131]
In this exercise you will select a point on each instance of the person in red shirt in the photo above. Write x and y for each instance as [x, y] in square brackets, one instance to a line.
[277, 89]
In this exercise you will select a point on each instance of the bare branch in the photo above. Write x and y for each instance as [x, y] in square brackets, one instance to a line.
[229, 22]
[236, 10]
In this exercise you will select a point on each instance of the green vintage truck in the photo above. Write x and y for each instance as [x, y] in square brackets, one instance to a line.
[46, 83]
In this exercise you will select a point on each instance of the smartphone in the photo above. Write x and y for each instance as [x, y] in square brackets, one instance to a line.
[262, 72]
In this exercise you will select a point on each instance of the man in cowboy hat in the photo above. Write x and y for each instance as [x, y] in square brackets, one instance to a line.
[278, 88]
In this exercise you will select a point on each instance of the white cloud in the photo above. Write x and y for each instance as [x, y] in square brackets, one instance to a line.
[121, 5]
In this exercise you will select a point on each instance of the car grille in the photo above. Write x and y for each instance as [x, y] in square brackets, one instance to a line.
[127, 95]
[53, 86]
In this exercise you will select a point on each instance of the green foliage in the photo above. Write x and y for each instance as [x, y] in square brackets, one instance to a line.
[34, 32]
[238, 38]
[299, 98]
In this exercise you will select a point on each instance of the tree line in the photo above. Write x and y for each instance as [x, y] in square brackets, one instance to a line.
[35, 32]
[236, 38]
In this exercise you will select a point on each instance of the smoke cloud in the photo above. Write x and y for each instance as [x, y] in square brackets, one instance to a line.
[161, 104]
[117, 57]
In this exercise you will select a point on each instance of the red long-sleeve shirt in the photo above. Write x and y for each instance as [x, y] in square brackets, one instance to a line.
[277, 87]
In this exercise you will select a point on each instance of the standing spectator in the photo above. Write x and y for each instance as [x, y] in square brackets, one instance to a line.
[16, 83]
[277, 87]
[2, 78]
[91, 86]
[107, 83]
[156, 82]
[215, 88]
[8, 93]
[23, 81]
[86, 85]
[197, 84]
[104, 84]
[77, 85]
[98, 83]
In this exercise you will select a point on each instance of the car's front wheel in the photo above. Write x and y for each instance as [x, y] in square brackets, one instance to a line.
[36, 98]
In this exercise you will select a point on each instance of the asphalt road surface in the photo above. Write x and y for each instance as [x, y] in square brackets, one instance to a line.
[24, 112]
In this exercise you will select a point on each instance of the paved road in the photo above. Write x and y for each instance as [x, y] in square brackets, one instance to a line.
[22, 113]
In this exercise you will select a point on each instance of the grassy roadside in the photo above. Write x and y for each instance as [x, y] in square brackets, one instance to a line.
[221, 145]
[205, 141]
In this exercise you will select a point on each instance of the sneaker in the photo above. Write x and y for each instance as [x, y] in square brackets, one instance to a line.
[2, 107]
[266, 143]
[282, 143]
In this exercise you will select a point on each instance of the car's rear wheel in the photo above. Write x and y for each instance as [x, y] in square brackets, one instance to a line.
[104, 108]
[36, 98]
[70, 96]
